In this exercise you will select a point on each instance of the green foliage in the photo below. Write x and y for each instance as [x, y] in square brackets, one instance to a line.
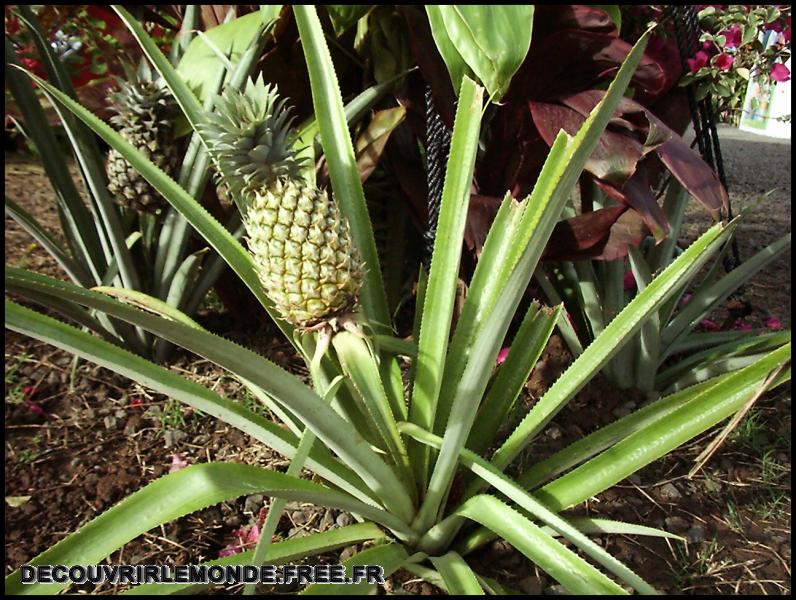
[670, 352]
[486, 42]
[736, 48]
[391, 463]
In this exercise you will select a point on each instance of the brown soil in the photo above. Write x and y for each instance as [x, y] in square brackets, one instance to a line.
[79, 440]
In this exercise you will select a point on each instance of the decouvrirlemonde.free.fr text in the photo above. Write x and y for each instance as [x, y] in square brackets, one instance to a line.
[201, 574]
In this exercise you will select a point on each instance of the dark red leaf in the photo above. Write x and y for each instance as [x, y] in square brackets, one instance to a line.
[424, 51]
[637, 194]
[575, 60]
[480, 215]
[605, 234]
[685, 165]
[614, 159]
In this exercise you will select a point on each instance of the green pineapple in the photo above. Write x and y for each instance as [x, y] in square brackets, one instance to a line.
[145, 113]
[305, 256]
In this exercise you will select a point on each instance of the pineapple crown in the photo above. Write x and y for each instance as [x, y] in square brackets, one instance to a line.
[250, 138]
[142, 92]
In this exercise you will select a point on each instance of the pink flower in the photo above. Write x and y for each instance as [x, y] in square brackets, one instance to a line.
[700, 60]
[708, 325]
[12, 25]
[786, 31]
[780, 72]
[732, 37]
[685, 299]
[630, 281]
[501, 357]
[33, 407]
[772, 323]
[135, 403]
[29, 390]
[723, 61]
[743, 325]
[177, 463]
[245, 537]
[707, 45]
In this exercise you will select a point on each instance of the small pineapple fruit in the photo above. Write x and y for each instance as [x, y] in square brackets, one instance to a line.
[145, 113]
[305, 256]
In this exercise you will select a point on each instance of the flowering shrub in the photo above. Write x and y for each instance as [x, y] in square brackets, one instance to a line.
[90, 41]
[736, 44]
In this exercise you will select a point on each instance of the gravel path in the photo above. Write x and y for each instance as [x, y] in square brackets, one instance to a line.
[755, 165]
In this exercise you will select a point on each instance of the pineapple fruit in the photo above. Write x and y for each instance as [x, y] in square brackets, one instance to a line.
[145, 113]
[302, 247]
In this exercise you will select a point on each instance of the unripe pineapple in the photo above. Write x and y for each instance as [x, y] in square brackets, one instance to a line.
[306, 259]
[145, 113]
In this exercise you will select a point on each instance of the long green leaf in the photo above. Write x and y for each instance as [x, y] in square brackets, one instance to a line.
[25, 220]
[639, 449]
[485, 287]
[278, 553]
[649, 338]
[707, 298]
[506, 486]
[360, 365]
[566, 567]
[722, 351]
[550, 194]
[525, 351]
[622, 328]
[339, 153]
[169, 498]
[457, 574]
[215, 234]
[390, 557]
[162, 380]
[493, 40]
[282, 386]
[92, 168]
[440, 292]
[594, 443]
[79, 229]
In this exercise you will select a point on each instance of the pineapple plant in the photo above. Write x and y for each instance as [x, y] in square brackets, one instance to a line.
[145, 114]
[304, 253]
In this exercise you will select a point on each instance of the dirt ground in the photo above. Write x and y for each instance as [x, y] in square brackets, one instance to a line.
[80, 438]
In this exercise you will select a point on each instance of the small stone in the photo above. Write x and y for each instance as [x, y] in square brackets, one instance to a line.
[213, 516]
[501, 548]
[553, 432]
[556, 590]
[635, 479]
[109, 422]
[669, 492]
[296, 532]
[343, 520]
[676, 524]
[696, 534]
[327, 522]
[232, 520]
[348, 552]
[533, 586]
[298, 517]
[173, 436]
[253, 503]
[292, 505]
